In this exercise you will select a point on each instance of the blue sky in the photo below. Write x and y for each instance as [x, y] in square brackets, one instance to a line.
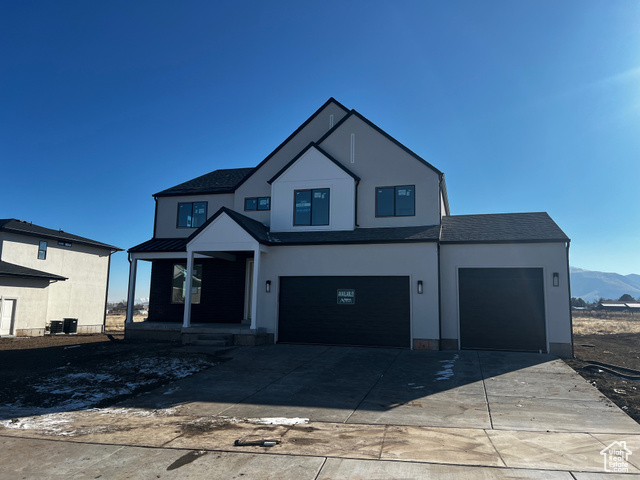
[525, 105]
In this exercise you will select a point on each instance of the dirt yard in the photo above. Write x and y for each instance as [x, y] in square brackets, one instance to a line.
[70, 372]
[612, 338]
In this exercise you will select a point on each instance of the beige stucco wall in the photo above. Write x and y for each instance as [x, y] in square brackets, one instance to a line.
[167, 212]
[379, 162]
[31, 305]
[257, 186]
[418, 261]
[551, 257]
[83, 294]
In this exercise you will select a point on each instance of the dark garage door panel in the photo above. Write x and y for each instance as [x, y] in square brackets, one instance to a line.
[502, 309]
[309, 312]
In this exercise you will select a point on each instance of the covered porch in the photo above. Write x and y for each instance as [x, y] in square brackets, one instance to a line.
[219, 265]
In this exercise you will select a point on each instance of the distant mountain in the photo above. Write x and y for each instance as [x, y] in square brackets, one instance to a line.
[590, 285]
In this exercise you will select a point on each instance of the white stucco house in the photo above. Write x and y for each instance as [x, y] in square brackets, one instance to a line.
[49, 275]
[344, 236]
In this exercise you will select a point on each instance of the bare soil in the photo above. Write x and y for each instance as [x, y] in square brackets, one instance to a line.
[71, 372]
[612, 338]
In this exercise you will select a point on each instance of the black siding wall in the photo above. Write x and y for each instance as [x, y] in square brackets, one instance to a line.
[222, 300]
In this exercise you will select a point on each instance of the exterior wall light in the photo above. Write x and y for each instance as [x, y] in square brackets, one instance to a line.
[420, 287]
[556, 279]
[268, 286]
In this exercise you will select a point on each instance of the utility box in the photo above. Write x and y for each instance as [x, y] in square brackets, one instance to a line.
[55, 327]
[70, 325]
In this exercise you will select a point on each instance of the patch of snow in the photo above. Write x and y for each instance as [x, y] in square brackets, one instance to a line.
[52, 424]
[171, 390]
[279, 420]
[447, 368]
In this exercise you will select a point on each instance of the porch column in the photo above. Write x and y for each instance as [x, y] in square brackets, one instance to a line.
[131, 293]
[256, 286]
[187, 290]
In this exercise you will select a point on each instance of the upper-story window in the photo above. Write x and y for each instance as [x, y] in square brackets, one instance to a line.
[64, 244]
[192, 215]
[257, 203]
[396, 201]
[311, 207]
[42, 251]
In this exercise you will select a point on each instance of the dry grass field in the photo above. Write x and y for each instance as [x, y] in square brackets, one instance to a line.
[604, 323]
[115, 322]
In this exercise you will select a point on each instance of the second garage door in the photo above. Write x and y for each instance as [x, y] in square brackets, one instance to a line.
[371, 311]
[502, 309]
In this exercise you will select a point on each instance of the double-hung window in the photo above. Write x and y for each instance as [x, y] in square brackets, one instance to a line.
[42, 251]
[192, 215]
[180, 281]
[311, 207]
[396, 201]
[257, 203]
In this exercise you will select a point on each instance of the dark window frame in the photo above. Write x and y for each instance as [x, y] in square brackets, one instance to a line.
[42, 252]
[311, 224]
[206, 211]
[395, 197]
[64, 244]
[257, 209]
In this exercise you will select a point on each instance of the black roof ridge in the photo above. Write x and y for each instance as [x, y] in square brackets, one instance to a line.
[323, 152]
[505, 213]
[295, 132]
[229, 189]
[8, 225]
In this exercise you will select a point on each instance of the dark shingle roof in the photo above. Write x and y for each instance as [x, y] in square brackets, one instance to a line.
[501, 228]
[10, 270]
[20, 227]
[358, 236]
[261, 233]
[492, 228]
[218, 181]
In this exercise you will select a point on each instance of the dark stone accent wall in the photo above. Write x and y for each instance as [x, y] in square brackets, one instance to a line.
[222, 300]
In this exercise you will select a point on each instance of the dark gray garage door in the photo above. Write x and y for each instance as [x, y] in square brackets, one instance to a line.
[502, 309]
[372, 311]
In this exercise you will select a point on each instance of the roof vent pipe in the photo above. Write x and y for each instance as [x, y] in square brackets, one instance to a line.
[353, 148]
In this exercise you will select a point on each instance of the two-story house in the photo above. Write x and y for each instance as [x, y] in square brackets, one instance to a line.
[47, 275]
[343, 236]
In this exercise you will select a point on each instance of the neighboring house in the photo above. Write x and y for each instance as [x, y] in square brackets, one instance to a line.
[50, 275]
[343, 236]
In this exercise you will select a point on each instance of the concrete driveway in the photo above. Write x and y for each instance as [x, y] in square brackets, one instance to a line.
[373, 413]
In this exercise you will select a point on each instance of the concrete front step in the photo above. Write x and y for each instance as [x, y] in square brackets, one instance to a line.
[207, 350]
[208, 339]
